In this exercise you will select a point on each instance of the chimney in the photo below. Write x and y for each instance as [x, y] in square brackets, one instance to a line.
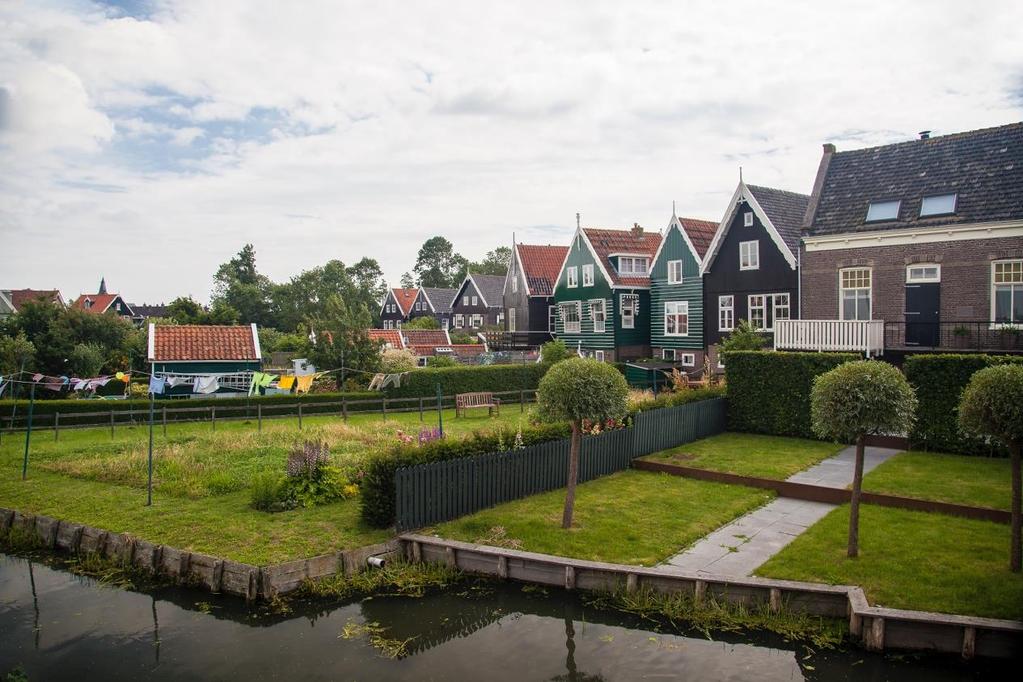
[637, 231]
[925, 134]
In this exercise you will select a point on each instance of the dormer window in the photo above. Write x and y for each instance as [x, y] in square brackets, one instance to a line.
[883, 210]
[88, 303]
[631, 265]
[747, 219]
[939, 204]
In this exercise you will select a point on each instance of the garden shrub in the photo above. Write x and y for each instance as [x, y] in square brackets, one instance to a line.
[769, 392]
[265, 493]
[397, 360]
[643, 401]
[939, 381]
[462, 379]
[555, 351]
[311, 480]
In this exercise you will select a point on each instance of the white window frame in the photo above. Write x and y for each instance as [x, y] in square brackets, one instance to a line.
[572, 277]
[722, 309]
[688, 360]
[475, 300]
[747, 219]
[445, 323]
[675, 272]
[500, 317]
[633, 309]
[465, 299]
[761, 306]
[552, 319]
[885, 218]
[842, 289]
[588, 275]
[577, 326]
[634, 262]
[776, 305]
[515, 282]
[665, 352]
[459, 321]
[397, 324]
[511, 319]
[476, 321]
[750, 260]
[679, 311]
[1015, 289]
[598, 355]
[955, 203]
[603, 315]
[923, 277]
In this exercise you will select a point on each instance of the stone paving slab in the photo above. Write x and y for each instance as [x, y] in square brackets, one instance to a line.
[739, 547]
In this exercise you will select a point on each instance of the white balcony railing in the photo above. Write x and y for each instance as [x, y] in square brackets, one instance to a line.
[861, 336]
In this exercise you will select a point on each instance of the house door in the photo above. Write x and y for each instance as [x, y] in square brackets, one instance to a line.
[922, 305]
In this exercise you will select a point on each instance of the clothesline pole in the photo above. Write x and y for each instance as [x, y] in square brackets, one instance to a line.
[259, 416]
[299, 416]
[111, 424]
[28, 432]
[149, 483]
[440, 412]
[56, 426]
[164, 410]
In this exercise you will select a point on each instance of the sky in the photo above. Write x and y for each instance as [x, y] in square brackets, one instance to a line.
[147, 141]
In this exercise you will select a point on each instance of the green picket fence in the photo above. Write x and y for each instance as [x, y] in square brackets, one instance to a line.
[426, 494]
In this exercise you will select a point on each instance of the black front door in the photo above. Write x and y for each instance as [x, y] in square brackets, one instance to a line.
[922, 305]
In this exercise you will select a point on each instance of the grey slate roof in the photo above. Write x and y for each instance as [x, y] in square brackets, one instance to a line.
[491, 287]
[984, 168]
[440, 298]
[786, 211]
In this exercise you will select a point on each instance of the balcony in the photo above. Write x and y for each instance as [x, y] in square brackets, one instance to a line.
[958, 336]
[858, 336]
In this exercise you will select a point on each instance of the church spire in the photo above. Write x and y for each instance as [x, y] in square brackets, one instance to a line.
[102, 285]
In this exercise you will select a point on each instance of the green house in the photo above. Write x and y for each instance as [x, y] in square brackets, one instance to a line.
[676, 292]
[231, 353]
[602, 293]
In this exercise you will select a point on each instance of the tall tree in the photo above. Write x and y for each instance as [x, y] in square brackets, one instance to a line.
[494, 263]
[341, 339]
[239, 285]
[407, 280]
[369, 278]
[437, 264]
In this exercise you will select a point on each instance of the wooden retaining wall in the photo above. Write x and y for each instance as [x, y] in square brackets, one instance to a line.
[193, 568]
[876, 628]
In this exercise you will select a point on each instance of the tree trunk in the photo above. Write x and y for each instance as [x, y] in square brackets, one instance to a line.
[854, 507]
[573, 475]
[1016, 558]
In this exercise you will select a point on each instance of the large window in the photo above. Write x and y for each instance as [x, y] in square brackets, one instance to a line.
[726, 313]
[676, 318]
[749, 255]
[1007, 291]
[758, 311]
[854, 293]
[571, 316]
[588, 275]
[572, 274]
[632, 265]
[598, 314]
[629, 306]
[674, 272]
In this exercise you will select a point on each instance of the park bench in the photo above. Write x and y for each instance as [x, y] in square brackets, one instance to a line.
[466, 401]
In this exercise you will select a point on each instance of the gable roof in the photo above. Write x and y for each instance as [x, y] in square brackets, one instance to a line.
[198, 343]
[100, 303]
[440, 299]
[540, 267]
[387, 336]
[19, 297]
[426, 337]
[145, 310]
[983, 168]
[696, 233]
[604, 242]
[490, 288]
[404, 298]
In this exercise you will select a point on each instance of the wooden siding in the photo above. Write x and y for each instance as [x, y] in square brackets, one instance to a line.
[578, 256]
[690, 291]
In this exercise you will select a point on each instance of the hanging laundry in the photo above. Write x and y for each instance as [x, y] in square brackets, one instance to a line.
[177, 381]
[53, 384]
[37, 377]
[3, 386]
[97, 382]
[267, 380]
[156, 385]
[81, 384]
[254, 384]
[286, 382]
[303, 383]
[206, 384]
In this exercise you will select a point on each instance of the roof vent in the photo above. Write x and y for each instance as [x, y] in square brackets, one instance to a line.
[637, 230]
[925, 134]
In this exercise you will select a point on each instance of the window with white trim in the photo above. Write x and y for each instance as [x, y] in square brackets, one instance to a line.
[397, 324]
[1007, 291]
[726, 313]
[629, 304]
[668, 354]
[459, 321]
[511, 319]
[747, 219]
[465, 300]
[883, 210]
[674, 272]
[676, 318]
[598, 355]
[922, 273]
[515, 282]
[552, 318]
[571, 316]
[598, 315]
[588, 275]
[632, 265]
[779, 307]
[445, 323]
[572, 275]
[749, 255]
[758, 311]
[475, 300]
[476, 321]
[939, 204]
[500, 317]
[854, 293]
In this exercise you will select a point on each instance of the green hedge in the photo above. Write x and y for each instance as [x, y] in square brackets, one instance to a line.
[493, 378]
[939, 381]
[769, 392]
[377, 485]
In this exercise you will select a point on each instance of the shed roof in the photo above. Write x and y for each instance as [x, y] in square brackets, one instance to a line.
[192, 342]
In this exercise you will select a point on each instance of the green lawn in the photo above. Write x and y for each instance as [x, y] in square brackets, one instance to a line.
[750, 454]
[632, 517]
[977, 481]
[910, 560]
[201, 480]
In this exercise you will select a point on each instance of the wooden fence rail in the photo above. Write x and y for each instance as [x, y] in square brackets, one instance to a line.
[426, 494]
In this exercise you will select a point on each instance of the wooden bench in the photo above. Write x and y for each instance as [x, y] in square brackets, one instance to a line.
[465, 401]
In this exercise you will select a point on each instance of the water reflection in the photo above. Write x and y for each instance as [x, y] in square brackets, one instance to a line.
[58, 626]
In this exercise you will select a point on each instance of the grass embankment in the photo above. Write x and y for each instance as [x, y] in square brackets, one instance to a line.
[749, 454]
[977, 481]
[201, 479]
[631, 517]
[910, 560]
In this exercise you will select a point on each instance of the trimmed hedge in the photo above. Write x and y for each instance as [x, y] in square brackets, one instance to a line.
[377, 486]
[939, 381]
[769, 391]
[493, 378]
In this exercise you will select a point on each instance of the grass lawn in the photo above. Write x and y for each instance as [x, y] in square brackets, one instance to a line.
[631, 517]
[201, 481]
[910, 560]
[750, 454]
[978, 481]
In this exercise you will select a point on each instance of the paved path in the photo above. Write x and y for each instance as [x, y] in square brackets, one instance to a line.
[739, 547]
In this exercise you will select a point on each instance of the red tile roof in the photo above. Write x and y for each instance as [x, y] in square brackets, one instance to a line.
[20, 297]
[426, 337]
[390, 336]
[541, 265]
[405, 298]
[606, 242]
[202, 342]
[100, 302]
[700, 232]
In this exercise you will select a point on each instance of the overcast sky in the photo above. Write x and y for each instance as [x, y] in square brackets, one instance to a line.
[147, 141]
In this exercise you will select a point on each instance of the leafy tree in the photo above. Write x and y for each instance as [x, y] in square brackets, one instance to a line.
[397, 360]
[494, 263]
[341, 339]
[855, 400]
[992, 405]
[86, 359]
[238, 285]
[16, 352]
[575, 390]
[407, 280]
[744, 337]
[424, 322]
[368, 279]
[554, 351]
[186, 310]
[462, 338]
[437, 264]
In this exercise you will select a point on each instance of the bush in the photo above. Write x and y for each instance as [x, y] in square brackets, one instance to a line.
[265, 494]
[463, 338]
[939, 381]
[397, 360]
[769, 392]
[554, 351]
[441, 361]
[462, 379]
[311, 480]
[744, 337]
[424, 322]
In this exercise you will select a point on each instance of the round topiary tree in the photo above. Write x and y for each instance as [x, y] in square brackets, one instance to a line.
[992, 405]
[574, 390]
[855, 400]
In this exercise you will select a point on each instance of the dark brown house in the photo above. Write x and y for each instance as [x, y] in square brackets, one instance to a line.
[397, 307]
[529, 310]
[478, 303]
[921, 241]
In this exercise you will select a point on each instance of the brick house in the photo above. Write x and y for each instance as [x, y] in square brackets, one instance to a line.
[920, 240]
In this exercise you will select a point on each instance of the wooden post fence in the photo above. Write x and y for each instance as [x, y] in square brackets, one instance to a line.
[111, 424]
[56, 426]
[259, 417]
[300, 416]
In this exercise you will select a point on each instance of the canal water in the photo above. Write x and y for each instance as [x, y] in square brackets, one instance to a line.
[58, 626]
